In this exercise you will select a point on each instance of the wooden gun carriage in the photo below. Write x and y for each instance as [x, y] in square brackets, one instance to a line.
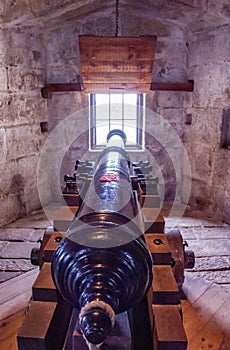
[155, 321]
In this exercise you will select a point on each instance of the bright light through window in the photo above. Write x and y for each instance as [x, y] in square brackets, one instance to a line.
[116, 111]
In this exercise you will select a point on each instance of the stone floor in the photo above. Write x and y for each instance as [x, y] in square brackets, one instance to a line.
[209, 240]
[16, 241]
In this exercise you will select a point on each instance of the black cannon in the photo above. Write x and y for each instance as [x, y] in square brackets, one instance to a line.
[103, 266]
[106, 274]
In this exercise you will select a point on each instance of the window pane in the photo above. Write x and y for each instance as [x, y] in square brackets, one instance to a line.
[130, 99]
[116, 106]
[102, 99]
[130, 111]
[131, 132]
[116, 98]
[102, 130]
[116, 124]
[102, 112]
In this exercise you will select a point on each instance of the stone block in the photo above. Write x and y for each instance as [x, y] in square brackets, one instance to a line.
[28, 171]
[18, 145]
[3, 78]
[25, 48]
[33, 222]
[212, 247]
[12, 207]
[20, 109]
[212, 263]
[213, 232]
[5, 276]
[205, 48]
[201, 161]
[221, 170]
[60, 74]
[3, 145]
[64, 53]
[204, 128]
[21, 234]
[17, 250]
[222, 204]
[208, 92]
[2, 246]
[4, 37]
[26, 79]
[16, 265]
[170, 99]
[220, 277]
[175, 117]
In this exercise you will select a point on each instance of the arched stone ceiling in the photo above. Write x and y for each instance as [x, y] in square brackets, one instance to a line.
[191, 14]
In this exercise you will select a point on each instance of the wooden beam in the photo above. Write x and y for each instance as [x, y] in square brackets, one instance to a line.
[165, 290]
[60, 87]
[117, 60]
[113, 87]
[168, 86]
[168, 332]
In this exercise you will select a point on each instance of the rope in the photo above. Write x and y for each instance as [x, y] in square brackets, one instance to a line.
[92, 346]
[93, 304]
[101, 304]
[117, 18]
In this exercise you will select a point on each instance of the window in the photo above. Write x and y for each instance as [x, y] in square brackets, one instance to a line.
[116, 111]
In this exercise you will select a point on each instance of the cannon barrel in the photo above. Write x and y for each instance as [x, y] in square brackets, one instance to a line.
[103, 266]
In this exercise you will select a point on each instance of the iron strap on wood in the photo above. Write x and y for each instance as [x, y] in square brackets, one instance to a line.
[154, 86]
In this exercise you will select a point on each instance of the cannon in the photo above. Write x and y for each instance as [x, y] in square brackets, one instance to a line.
[106, 263]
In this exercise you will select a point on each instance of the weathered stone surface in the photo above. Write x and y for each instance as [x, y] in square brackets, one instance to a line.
[212, 233]
[190, 222]
[5, 276]
[201, 197]
[20, 109]
[220, 277]
[3, 145]
[174, 116]
[18, 250]
[209, 68]
[208, 248]
[212, 263]
[170, 99]
[20, 146]
[134, 25]
[12, 207]
[17, 265]
[205, 125]
[2, 246]
[3, 78]
[28, 169]
[24, 48]
[21, 234]
[25, 79]
[34, 221]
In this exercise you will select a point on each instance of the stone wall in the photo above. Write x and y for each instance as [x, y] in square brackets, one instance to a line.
[208, 65]
[22, 73]
[48, 52]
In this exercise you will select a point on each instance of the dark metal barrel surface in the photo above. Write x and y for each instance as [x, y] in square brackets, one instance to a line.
[104, 257]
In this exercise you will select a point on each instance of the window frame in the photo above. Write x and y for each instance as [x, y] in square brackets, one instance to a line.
[140, 121]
